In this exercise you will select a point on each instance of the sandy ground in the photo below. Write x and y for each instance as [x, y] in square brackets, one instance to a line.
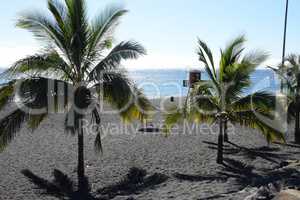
[185, 163]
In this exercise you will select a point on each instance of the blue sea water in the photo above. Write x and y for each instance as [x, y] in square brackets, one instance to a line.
[157, 83]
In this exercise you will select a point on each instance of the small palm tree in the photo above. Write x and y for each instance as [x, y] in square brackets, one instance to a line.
[293, 74]
[290, 74]
[72, 73]
[221, 98]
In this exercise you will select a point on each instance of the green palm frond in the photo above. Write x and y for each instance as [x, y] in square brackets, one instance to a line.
[203, 87]
[174, 116]
[263, 103]
[46, 64]
[116, 89]
[35, 120]
[123, 51]
[257, 100]
[79, 28]
[255, 58]
[10, 125]
[121, 93]
[202, 97]
[77, 12]
[139, 109]
[43, 28]
[178, 115]
[249, 119]
[203, 52]
[199, 116]
[237, 81]
[205, 56]
[231, 54]
[60, 14]
[101, 31]
[6, 93]
[240, 76]
[233, 50]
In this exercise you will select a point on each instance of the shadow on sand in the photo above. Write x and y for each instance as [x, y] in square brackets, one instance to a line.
[289, 144]
[226, 148]
[234, 172]
[242, 175]
[61, 186]
[135, 182]
[231, 168]
[267, 153]
[64, 188]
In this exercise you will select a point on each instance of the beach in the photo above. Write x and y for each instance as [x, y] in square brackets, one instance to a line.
[198, 115]
[180, 166]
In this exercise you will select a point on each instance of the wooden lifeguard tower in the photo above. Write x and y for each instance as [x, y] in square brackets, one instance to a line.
[194, 77]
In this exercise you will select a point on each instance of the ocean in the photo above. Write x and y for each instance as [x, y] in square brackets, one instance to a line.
[157, 83]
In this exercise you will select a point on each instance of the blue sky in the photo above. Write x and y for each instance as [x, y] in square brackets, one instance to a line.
[169, 28]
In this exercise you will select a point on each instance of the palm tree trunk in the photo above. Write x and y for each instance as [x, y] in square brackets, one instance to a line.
[297, 127]
[80, 167]
[226, 139]
[284, 41]
[220, 144]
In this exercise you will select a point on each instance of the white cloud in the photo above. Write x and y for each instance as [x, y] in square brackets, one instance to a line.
[273, 62]
[155, 61]
[158, 61]
[10, 54]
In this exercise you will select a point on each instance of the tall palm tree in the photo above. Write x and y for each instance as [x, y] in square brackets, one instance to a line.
[221, 99]
[79, 65]
[290, 74]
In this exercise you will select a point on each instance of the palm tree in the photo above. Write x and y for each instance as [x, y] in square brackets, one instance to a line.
[78, 66]
[293, 73]
[290, 74]
[221, 99]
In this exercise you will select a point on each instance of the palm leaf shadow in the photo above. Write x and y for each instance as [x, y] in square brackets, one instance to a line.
[266, 153]
[291, 144]
[134, 182]
[243, 175]
[241, 172]
[226, 148]
[61, 186]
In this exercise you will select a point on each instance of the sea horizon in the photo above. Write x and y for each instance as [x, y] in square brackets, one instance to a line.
[160, 83]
